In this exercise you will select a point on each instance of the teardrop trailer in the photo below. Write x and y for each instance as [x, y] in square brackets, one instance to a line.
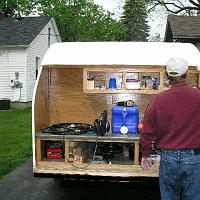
[73, 88]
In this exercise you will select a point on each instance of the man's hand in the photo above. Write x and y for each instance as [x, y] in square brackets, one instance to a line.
[146, 163]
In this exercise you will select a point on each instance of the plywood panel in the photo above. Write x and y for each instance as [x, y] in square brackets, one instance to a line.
[60, 98]
[68, 103]
[42, 102]
[193, 79]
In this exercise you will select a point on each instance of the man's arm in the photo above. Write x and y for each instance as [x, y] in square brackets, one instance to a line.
[148, 135]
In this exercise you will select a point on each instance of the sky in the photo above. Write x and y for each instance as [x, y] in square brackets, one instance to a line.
[157, 22]
[109, 4]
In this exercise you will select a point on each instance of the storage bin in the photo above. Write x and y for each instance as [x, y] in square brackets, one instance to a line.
[125, 116]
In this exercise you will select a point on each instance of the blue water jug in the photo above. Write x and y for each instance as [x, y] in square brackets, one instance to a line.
[112, 83]
[123, 116]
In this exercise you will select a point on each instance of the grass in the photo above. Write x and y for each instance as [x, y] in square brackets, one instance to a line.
[15, 139]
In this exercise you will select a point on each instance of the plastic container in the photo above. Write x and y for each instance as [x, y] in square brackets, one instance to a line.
[123, 116]
[112, 83]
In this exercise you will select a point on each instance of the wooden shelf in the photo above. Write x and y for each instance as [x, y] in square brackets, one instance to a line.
[114, 170]
[121, 75]
[42, 138]
[130, 138]
[67, 166]
[116, 91]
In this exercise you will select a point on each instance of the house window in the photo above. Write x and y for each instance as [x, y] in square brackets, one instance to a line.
[36, 66]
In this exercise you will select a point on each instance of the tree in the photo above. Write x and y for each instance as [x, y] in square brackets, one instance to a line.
[134, 19]
[155, 38]
[82, 20]
[188, 7]
[16, 7]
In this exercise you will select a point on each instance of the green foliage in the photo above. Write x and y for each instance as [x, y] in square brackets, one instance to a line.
[15, 139]
[135, 20]
[155, 38]
[82, 20]
[16, 7]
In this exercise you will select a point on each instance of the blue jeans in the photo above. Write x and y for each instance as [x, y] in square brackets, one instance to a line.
[180, 175]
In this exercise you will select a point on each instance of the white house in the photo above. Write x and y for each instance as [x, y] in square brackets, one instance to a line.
[23, 43]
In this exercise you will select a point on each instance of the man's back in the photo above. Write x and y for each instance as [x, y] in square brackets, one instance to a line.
[177, 116]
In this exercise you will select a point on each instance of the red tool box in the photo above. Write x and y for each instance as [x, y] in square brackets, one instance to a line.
[55, 150]
[55, 153]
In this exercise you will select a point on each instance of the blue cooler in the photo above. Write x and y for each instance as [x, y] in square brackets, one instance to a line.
[125, 116]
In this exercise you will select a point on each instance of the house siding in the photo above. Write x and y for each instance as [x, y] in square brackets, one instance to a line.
[11, 61]
[38, 49]
[22, 59]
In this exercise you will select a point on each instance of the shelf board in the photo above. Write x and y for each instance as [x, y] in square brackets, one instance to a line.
[130, 138]
[116, 91]
[113, 170]
[45, 159]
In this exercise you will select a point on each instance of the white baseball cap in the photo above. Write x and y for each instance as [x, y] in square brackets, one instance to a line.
[176, 66]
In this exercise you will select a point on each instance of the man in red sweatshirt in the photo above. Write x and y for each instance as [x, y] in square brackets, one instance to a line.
[172, 121]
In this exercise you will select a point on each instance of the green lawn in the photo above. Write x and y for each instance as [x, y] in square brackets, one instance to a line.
[15, 138]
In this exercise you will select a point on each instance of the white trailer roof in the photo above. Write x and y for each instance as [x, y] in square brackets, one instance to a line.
[119, 53]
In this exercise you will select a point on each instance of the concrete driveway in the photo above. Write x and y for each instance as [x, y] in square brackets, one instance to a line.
[21, 185]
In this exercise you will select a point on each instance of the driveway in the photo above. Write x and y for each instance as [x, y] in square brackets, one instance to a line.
[21, 185]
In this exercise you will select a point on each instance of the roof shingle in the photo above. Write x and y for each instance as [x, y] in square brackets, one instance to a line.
[184, 26]
[21, 31]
